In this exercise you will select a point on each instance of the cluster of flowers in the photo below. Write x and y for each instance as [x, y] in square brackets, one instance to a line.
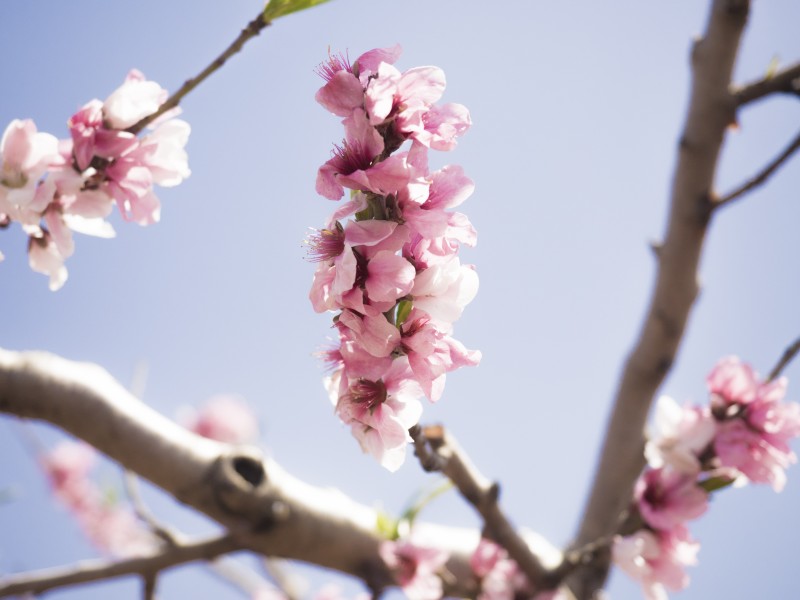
[742, 436]
[54, 187]
[391, 273]
[111, 526]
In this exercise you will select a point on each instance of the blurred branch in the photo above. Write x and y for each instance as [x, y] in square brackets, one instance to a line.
[786, 81]
[788, 356]
[761, 177]
[438, 450]
[252, 29]
[711, 110]
[271, 512]
[36, 582]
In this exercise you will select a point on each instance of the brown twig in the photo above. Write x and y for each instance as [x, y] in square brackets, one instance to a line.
[788, 356]
[435, 447]
[711, 110]
[761, 177]
[36, 582]
[786, 81]
[252, 30]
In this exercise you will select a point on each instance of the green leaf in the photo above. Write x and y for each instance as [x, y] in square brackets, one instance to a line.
[280, 8]
[712, 484]
[422, 500]
[403, 310]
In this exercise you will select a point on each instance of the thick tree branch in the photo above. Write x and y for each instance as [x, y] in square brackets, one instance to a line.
[711, 110]
[786, 81]
[37, 582]
[761, 177]
[438, 450]
[271, 512]
[253, 28]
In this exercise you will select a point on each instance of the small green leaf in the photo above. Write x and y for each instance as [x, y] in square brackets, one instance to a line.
[712, 484]
[403, 310]
[280, 8]
[422, 500]
[386, 525]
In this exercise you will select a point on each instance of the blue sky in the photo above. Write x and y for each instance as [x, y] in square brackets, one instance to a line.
[576, 110]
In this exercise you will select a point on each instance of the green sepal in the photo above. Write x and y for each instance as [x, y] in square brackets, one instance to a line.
[280, 8]
[712, 484]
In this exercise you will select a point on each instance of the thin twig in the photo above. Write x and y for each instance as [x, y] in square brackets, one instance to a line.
[453, 462]
[252, 30]
[36, 582]
[786, 81]
[788, 356]
[143, 512]
[149, 591]
[762, 176]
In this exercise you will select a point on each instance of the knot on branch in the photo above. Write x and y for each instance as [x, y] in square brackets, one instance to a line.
[242, 489]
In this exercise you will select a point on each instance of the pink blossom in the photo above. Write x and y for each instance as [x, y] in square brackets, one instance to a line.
[681, 434]
[415, 568]
[380, 412]
[112, 528]
[500, 577]
[656, 559]
[223, 418]
[432, 352]
[732, 382]
[667, 498]
[91, 138]
[755, 425]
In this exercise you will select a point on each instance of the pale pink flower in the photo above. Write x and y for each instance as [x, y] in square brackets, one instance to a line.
[656, 559]
[415, 568]
[135, 99]
[667, 498]
[25, 156]
[44, 257]
[444, 289]
[680, 435]
[223, 418]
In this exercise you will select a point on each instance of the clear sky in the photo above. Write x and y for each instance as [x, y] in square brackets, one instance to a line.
[576, 110]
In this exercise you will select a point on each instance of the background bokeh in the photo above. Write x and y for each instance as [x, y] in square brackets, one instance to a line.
[577, 108]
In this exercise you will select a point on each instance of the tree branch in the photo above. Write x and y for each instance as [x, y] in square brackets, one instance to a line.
[253, 28]
[760, 178]
[148, 566]
[711, 111]
[788, 356]
[438, 450]
[786, 81]
[270, 511]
